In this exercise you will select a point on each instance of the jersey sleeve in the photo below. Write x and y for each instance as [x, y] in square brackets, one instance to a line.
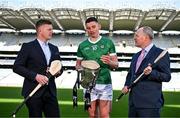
[112, 49]
[79, 53]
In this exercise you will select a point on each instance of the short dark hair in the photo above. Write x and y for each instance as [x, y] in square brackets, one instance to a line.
[91, 19]
[42, 22]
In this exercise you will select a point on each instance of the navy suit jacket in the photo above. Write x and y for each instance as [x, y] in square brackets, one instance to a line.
[147, 93]
[30, 62]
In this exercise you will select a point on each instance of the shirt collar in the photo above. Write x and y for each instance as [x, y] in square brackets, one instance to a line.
[41, 42]
[99, 38]
[148, 47]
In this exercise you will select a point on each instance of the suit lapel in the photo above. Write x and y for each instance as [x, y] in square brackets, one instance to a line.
[135, 61]
[51, 50]
[150, 54]
[40, 51]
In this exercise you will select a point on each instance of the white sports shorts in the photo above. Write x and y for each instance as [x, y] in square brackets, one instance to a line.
[102, 92]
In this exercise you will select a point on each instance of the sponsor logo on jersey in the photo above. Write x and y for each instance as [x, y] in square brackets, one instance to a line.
[86, 48]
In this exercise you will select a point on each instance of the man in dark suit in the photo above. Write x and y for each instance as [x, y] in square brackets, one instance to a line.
[146, 98]
[32, 63]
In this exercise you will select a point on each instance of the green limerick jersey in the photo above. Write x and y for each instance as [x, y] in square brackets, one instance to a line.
[88, 50]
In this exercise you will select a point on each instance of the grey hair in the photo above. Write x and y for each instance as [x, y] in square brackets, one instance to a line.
[148, 31]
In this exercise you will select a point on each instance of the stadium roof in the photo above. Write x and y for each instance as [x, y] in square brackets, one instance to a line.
[71, 19]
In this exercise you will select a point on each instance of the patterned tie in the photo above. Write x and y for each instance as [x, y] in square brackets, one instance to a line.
[140, 59]
[47, 52]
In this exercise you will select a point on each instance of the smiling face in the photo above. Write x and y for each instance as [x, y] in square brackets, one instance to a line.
[92, 29]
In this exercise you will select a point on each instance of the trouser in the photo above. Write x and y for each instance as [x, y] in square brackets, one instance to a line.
[144, 112]
[46, 103]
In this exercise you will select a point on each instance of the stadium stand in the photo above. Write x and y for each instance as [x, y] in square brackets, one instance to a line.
[68, 46]
[9, 39]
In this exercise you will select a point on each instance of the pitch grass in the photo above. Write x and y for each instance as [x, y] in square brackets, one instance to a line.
[10, 98]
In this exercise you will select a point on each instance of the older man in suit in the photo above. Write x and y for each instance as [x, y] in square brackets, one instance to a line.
[146, 97]
[32, 63]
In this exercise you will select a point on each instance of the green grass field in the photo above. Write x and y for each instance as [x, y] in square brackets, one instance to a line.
[10, 98]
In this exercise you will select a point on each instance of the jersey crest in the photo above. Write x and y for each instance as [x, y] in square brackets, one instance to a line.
[102, 46]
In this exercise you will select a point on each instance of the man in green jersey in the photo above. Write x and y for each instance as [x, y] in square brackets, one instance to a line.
[102, 50]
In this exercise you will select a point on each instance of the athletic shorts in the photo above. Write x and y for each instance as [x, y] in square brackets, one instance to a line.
[102, 92]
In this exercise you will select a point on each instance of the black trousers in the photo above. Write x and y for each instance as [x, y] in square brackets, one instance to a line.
[144, 112]
[47, 104]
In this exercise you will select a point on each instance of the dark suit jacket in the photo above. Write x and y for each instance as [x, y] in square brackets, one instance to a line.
[31, 61]
[147, 93]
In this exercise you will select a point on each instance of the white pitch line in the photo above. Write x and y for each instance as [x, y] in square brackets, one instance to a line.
[172, 105]
[15, 100]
